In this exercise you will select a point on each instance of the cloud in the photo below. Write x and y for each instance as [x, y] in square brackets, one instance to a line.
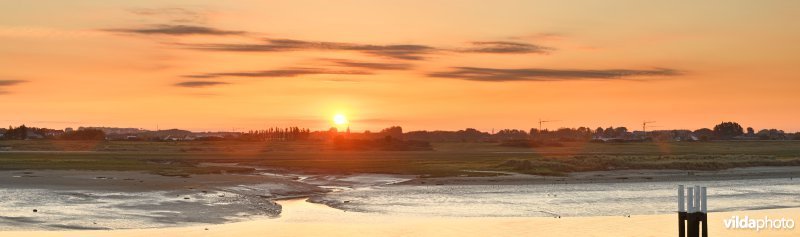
[197, 84]
[397, 51]
[372, 66]
[539, 74]
[11, 82]
[173, 14]
[8, 83]
[176, 30]
[292, 72]
[505, 47]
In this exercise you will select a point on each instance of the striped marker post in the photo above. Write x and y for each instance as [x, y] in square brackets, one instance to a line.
[693, 219]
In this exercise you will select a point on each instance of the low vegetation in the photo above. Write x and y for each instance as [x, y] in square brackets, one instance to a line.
[185, 158]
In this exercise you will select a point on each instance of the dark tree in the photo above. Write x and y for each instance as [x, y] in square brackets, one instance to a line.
[727, 130]
[750, 131]
[703, 134]
[620, 130]
[771, 134]
[23, 132]
[609, 132]
[393, 131]
[511, 134]
[18, 133]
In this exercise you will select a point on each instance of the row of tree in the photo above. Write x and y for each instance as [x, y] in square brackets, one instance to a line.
[24, 132]
[277, 134]
[722, 131]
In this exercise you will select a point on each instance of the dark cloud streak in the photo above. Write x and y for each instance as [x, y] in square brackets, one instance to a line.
[292, 72]
[505, 47]
[372, 66]
[196, 84]
[176, 30]
[397, 51]
[538, 74]
[11, 82]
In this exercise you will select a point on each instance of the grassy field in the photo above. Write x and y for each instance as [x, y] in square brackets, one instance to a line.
[447, 159]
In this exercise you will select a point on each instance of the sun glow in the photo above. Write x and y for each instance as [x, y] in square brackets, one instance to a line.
[340, 119]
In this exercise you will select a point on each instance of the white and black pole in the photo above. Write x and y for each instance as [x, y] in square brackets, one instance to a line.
[681, 212]
[695, 213]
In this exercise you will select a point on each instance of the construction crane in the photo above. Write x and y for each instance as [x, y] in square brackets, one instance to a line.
[644, 127]
[545, 121]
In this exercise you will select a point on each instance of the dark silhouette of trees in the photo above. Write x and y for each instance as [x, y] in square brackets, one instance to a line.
[612, 132]
[466, 135]
[395, 132]
[510, 134]
[277, 134]
[771, 134]
[750, 131]
[18, 133]
[703, 134]
[621, 130]
[727, 130]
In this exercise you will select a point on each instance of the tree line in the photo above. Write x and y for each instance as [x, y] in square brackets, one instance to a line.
[23, 132]
[721, 131]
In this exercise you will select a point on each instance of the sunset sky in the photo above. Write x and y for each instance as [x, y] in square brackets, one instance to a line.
[222, 65]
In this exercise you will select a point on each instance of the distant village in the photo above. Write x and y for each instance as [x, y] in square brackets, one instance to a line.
[722, 131]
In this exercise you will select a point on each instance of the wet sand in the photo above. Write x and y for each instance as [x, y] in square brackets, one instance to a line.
[133, 181]
[65, 199]
[301, 218]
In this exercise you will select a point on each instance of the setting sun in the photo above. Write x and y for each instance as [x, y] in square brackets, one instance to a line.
[340, 119]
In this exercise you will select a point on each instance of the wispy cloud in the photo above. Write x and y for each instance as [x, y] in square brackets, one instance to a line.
[397, 51]
[539, 74]
[195, 84]
[505, 47]
[173, 14]
[11, 82]
[176, 30]
[8, 83]
[291, 72]
[371, 65]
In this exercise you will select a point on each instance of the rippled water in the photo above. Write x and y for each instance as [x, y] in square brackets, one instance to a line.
[591, 199]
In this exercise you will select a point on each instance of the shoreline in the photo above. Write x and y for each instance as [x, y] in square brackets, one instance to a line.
[616, 176]
[307, 219]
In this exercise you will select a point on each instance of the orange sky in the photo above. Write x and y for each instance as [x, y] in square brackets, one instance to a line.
[220, 65]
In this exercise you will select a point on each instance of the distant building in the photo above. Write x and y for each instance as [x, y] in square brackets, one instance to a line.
[32, 135]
